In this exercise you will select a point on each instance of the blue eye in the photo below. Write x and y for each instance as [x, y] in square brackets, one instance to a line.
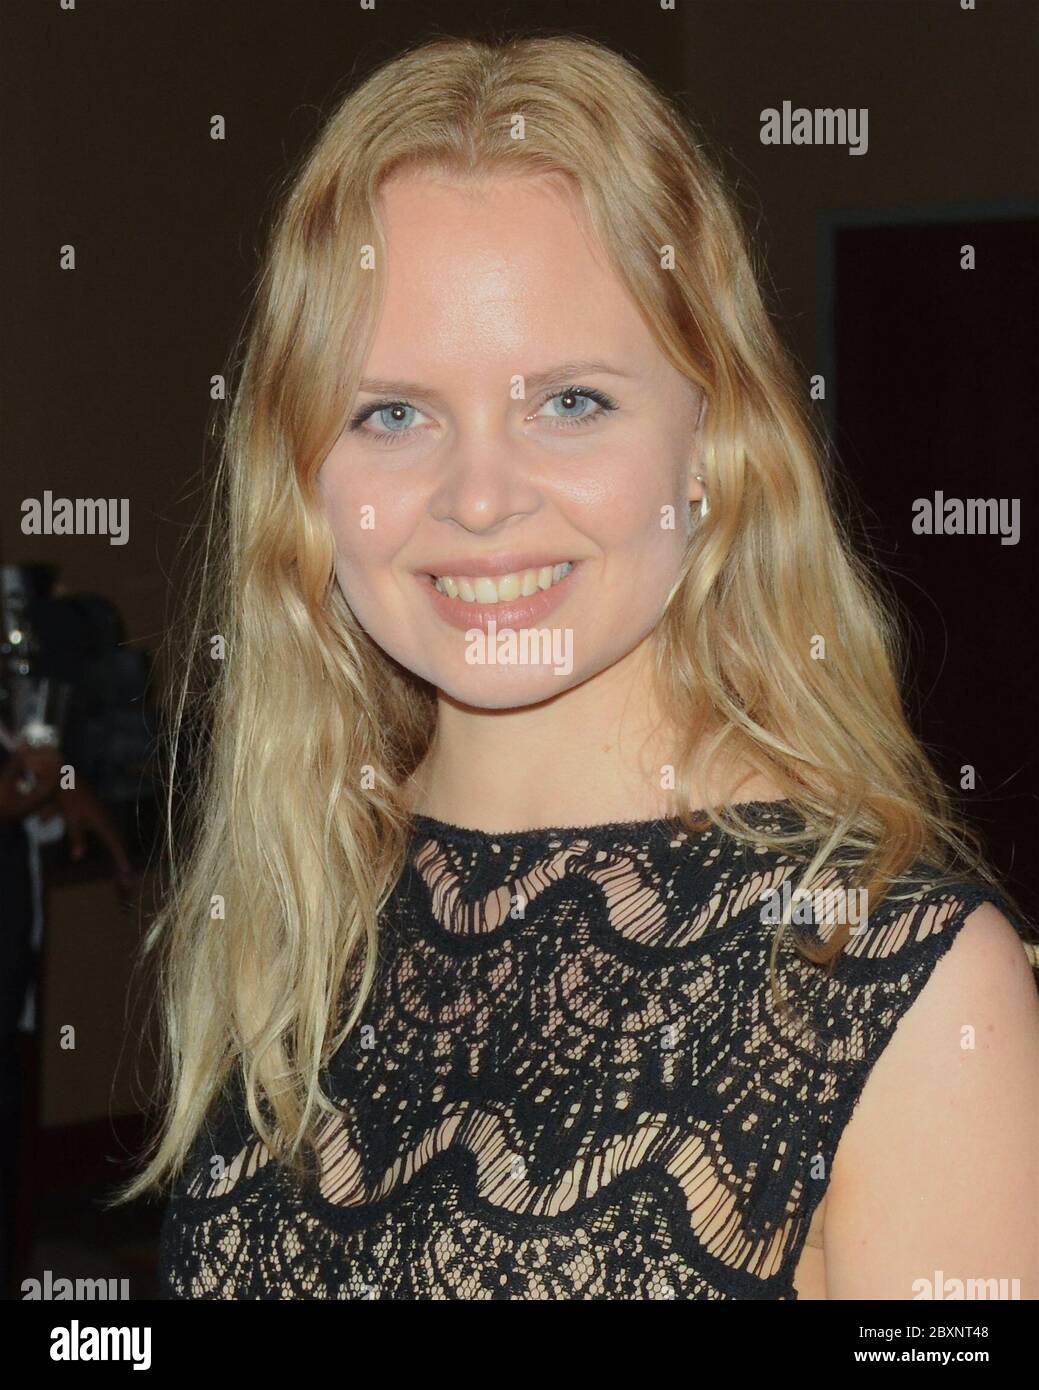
[394, 417]
[577, 402]
[395, 420]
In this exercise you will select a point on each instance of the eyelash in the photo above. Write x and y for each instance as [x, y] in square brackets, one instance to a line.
[606, 403]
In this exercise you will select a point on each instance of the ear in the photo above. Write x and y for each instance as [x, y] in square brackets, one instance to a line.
[696, 488]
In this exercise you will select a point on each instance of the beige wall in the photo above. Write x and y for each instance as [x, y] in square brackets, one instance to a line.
[90, 991]
[951, 97]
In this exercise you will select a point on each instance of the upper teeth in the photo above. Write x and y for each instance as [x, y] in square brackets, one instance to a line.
[483, 589]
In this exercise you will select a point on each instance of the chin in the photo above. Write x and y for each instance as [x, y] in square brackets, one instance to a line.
[502, 687]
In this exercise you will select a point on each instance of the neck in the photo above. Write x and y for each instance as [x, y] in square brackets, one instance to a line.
[593, 753]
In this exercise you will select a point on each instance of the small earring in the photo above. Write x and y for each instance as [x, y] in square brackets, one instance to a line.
[705, 506]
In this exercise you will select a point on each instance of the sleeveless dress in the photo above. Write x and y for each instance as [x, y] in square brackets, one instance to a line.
[572, 1080]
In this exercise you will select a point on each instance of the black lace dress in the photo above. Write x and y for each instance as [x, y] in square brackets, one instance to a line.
[572, 1081]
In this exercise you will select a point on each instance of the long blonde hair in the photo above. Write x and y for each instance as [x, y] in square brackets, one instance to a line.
[302, 732]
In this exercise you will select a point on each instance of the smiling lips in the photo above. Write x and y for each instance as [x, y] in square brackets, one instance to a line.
[513, 598]
[485, 589]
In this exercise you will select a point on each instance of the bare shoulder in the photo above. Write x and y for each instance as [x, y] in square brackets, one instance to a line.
[936, 1173]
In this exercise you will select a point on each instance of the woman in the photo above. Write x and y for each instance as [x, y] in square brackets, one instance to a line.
[544, 679]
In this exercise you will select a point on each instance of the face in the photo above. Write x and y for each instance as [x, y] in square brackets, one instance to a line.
[515, 416]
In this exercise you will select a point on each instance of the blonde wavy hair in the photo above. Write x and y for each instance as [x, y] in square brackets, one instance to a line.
[303, 739]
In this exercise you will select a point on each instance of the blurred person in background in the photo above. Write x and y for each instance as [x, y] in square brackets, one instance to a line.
[40, 640]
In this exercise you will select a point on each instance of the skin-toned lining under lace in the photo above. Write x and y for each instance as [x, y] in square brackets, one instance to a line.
[445, 830]
[571, 1081]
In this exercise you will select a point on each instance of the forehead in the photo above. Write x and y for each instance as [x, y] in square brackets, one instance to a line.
[501, 266]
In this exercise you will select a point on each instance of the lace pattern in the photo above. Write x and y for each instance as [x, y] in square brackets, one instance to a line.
[571, 1080]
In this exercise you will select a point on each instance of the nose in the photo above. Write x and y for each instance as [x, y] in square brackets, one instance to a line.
[483, 483]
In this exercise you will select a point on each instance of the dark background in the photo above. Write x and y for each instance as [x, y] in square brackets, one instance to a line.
[930, 370]
[936, 391]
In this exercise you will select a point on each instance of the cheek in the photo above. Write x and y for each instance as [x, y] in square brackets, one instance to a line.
[369, 522]
[637, 511]
[634, 512]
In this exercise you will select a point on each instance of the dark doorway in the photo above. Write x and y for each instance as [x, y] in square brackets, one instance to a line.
[935, 370]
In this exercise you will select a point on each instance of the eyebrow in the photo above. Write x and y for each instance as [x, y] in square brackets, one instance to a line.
[567, 373]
